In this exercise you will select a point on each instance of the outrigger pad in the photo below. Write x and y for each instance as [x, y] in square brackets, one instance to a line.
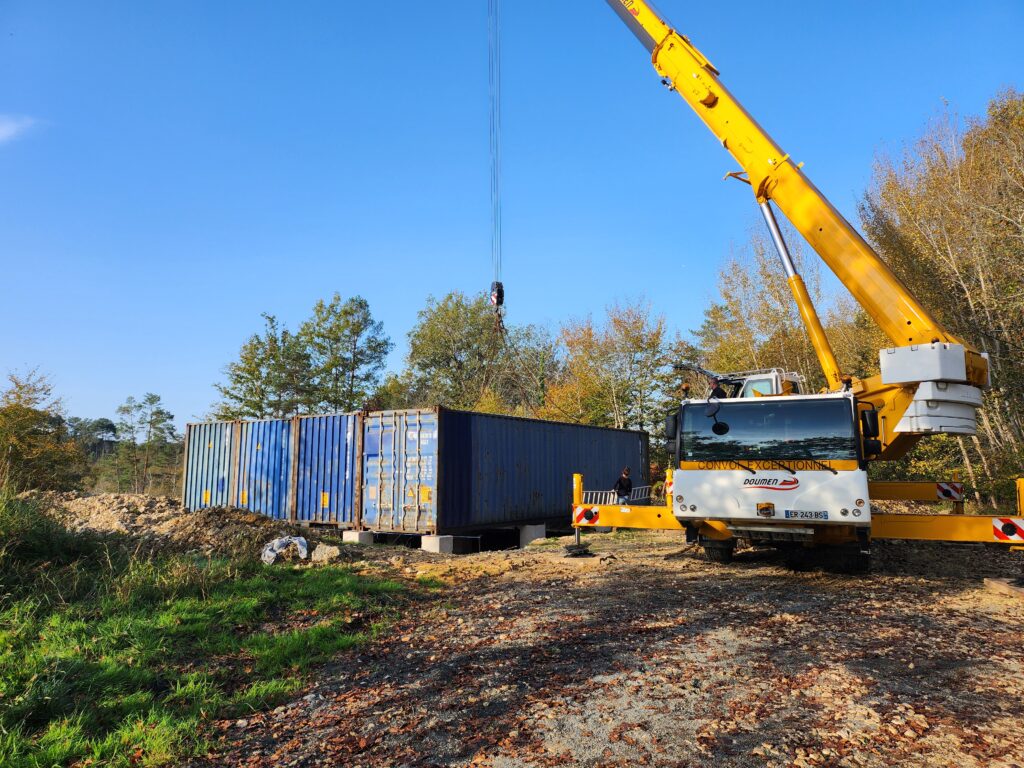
[578, 550]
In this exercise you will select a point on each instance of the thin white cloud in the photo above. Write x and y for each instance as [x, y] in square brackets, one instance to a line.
[13, 126]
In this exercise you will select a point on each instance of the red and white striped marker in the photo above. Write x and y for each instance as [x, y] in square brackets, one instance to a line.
[1008, 528]
[949, 491]
[581, 515]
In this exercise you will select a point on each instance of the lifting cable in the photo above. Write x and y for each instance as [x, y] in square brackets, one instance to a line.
[515, 364]
[497, 294]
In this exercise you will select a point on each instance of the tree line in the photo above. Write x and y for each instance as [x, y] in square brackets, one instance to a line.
[947, 215]
[41, 447]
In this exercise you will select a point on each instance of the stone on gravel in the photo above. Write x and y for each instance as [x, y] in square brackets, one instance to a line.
[326, 553]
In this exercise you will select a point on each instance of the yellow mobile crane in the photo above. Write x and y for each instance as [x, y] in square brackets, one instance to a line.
[792, 469]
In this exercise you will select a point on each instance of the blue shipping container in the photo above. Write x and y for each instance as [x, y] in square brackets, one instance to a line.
[415, 471]
[328, 469]
[443, 471]
[264, 467]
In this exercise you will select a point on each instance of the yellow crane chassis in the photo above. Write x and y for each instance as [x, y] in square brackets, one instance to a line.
[953, 528]
[986, 529]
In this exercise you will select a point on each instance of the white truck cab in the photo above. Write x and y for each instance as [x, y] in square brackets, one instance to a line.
[771, 468]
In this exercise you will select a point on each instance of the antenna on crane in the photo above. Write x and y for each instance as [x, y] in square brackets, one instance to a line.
[497, 294]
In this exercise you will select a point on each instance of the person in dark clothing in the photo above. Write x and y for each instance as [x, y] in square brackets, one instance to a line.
[623, 486]
[716, 388]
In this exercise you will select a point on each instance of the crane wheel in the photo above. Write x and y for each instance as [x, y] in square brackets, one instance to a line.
[849, 560]
[719, 551]
[844, 559]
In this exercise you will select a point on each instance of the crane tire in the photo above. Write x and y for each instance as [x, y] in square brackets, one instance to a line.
[719, 551]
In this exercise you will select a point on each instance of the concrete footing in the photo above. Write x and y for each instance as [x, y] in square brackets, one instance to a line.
[528, 533]
[440, 544]
[357, 537]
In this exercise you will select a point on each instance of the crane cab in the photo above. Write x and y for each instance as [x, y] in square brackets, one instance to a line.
[772, 468]
[763, 382]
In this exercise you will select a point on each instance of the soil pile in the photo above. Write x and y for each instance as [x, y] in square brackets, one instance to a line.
[162, 523]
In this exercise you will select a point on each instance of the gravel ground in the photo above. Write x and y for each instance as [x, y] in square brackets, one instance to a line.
[648, 655]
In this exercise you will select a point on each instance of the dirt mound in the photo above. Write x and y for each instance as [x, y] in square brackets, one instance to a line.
[161, 522]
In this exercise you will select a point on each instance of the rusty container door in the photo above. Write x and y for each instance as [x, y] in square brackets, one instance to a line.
[400, 454]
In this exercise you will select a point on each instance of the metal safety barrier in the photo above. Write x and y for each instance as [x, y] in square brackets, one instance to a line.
[640, 495]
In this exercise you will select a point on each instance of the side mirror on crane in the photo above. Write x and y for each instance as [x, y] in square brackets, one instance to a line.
[671, 425]
[869, 423]
[711, 411]
[870, 431]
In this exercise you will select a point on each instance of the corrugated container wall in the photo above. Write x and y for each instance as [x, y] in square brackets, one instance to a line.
[400, 451]
[328, 468]
[304, 469]
[264, 466]
[443, 471]
[207, 465]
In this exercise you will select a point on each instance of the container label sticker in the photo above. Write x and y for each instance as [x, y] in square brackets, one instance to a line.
[206, 495]
[325, 500]
[245, 496]
[425, 492]
[371, 491]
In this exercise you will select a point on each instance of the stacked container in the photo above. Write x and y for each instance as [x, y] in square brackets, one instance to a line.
[413, 471]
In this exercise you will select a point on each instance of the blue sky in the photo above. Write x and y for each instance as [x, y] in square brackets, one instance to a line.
[168, 171]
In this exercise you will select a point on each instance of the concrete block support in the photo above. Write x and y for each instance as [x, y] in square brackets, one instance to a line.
[440, 544]
[528, 533]
[357, 537]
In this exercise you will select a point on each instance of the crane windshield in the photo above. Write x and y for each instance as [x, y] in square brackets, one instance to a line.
[769, 429]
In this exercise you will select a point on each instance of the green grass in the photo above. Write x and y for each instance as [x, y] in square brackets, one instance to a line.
[117, 657]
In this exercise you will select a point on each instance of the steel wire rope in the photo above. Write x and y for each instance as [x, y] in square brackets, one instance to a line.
[494, 120]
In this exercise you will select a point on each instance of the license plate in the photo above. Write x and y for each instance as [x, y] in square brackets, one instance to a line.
[806, 514]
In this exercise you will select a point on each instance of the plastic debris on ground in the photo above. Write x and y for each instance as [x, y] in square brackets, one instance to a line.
[285, 548]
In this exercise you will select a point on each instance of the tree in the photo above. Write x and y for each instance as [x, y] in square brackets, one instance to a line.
[756, 323]
[394, 393]
[453, 349]
[97, 437]
[36, 450]
[347, 350]
[611, 373]
[461, 358]
[271, 378]
[148, 446]
[948, 218]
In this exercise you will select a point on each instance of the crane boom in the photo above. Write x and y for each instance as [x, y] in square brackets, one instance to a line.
[774, 176]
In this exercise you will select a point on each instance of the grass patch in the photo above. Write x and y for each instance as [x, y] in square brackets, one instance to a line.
[430, 582]
[115, 656]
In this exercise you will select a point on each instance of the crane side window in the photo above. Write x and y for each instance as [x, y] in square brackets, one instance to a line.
[759, 388]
